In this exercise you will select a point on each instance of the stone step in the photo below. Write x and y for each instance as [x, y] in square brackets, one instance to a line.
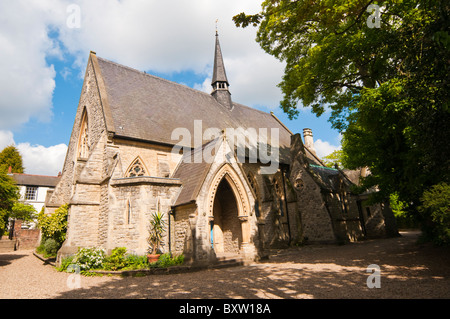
[7, 245]
[228, 260]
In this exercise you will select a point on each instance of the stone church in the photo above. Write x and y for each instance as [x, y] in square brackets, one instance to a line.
[138, 145]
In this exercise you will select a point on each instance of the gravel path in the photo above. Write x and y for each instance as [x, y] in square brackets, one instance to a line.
[407, 270]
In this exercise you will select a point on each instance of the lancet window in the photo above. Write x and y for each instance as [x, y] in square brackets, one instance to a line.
[83, 142]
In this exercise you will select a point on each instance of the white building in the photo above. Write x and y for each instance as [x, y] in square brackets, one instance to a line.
[33, 188]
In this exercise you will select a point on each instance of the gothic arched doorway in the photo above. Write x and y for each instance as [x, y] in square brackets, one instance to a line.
[226, 229]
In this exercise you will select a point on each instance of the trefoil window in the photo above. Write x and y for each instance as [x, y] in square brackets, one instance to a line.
[136, 169]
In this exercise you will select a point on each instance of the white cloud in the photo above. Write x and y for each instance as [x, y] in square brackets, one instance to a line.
[254, 78]
[37, 159]
[41, 160]
[148, 35]
[6, 139]
[205, 86]
[26, 81]
[174, 36]
[324, 148]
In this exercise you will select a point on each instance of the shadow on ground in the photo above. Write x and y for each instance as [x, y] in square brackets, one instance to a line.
[408, 271]
[5, 259]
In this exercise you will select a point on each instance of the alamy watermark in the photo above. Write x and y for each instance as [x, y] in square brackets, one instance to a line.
[74, 280]
[374, 19]
[374, 279]
[73, 20]
[250, 145]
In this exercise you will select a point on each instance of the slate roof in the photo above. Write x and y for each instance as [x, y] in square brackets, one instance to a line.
[35, 180]
[149, 108]
[192, 174]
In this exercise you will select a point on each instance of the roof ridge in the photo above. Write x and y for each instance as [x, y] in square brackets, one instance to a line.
[252, 108]
[24, 174]
[155, 77]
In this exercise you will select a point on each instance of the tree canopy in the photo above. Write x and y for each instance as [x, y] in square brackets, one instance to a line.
[334, 159]
[10, 157]
[387, 86]
[9, 194]
[25, 212]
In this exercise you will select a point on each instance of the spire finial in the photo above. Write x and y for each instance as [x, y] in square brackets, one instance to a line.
[217, 20]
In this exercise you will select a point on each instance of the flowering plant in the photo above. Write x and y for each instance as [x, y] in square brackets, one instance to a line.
[89, 258]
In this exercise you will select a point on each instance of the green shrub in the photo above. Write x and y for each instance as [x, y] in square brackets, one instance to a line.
[166, 260]
[95, 258]
[136, 262]
[54, 225]
[435, 210]
[116, 260]
[119, 260]
[66, 262]
[51, 246]
[48, 247]
[402, 214]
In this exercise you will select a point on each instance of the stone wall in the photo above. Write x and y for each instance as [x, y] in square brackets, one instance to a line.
[379, 219]
[82, 181]
[132, 203]
[154, 157]
[274, 228]
[26, 238]
[344, 213]
[83, 225]
[184, 231]
[315, 218]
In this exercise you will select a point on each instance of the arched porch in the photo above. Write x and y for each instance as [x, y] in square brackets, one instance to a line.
[229, 215]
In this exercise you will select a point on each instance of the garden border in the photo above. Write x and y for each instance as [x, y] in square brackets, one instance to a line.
[150, 271]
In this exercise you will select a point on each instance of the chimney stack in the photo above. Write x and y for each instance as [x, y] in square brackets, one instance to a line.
[309, 142]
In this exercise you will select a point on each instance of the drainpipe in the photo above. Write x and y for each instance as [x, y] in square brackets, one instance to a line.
[171, 211]
[286, 204]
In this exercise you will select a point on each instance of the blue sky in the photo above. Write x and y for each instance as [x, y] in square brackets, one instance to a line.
[43, 59]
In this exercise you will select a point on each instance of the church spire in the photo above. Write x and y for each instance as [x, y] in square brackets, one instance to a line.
[219, 80]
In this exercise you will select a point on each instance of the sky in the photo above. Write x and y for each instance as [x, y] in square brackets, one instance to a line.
[45, 44]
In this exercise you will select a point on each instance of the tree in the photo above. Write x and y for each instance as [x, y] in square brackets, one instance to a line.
[333, 159]
[10, 156]
[331, 52]
[387, 87]
[9, 194]
[435, 210]
[23, 211]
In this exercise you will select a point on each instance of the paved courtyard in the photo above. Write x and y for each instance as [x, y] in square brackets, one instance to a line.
[407, 270]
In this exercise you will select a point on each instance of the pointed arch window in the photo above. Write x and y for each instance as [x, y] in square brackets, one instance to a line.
[136, 168]
[83, 141]
[128, 212]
